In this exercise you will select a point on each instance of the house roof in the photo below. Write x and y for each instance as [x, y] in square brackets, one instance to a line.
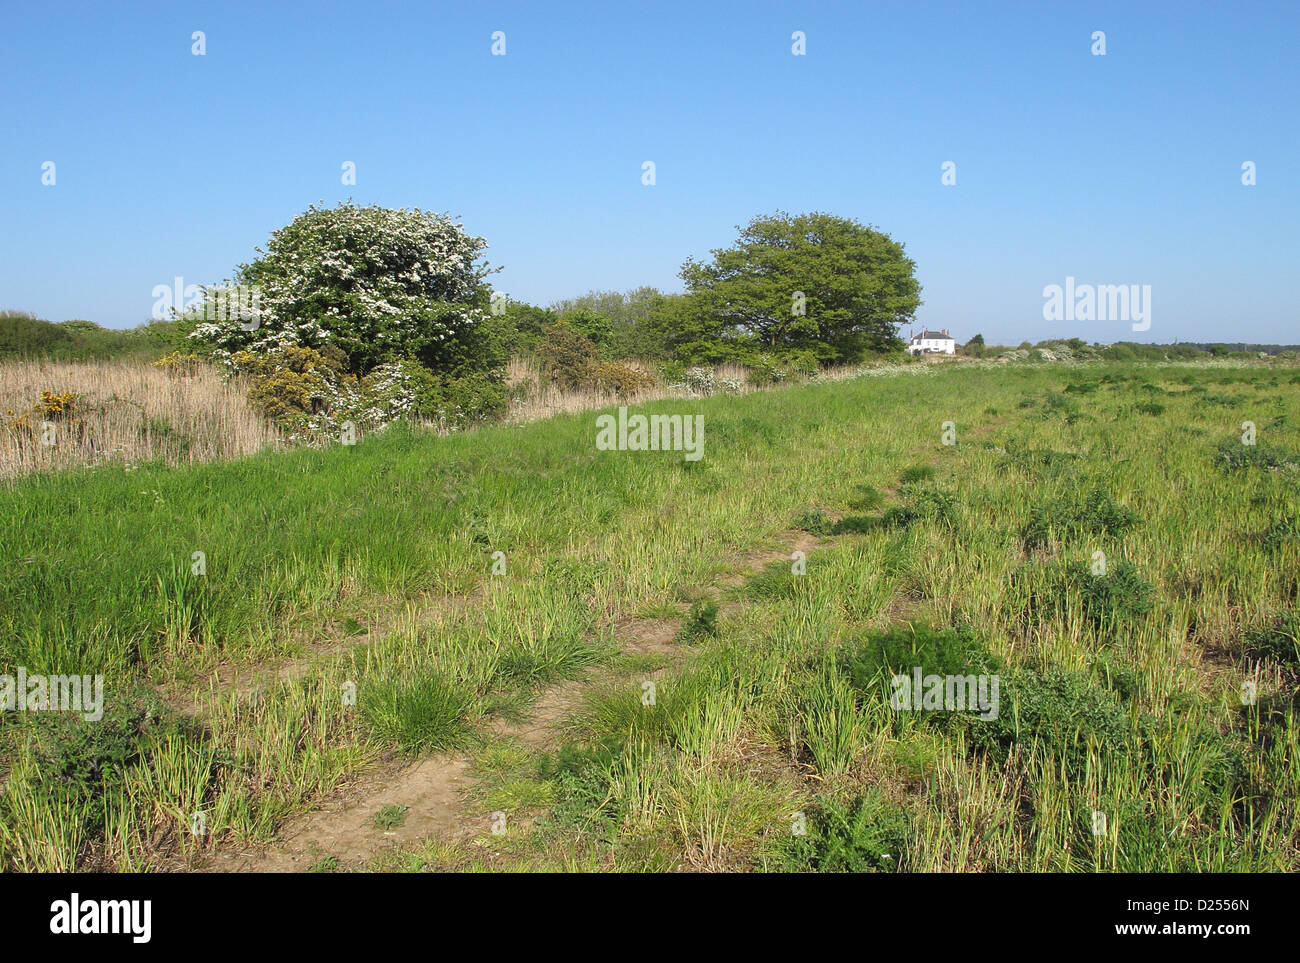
[932, 336]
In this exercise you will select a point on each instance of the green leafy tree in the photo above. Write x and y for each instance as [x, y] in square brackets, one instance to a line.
[811, 282]
[594, 326]
[525, 323]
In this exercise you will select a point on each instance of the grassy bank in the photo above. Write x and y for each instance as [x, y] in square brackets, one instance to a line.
[371, 567]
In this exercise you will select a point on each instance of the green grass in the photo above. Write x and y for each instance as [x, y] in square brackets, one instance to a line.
[372, 564]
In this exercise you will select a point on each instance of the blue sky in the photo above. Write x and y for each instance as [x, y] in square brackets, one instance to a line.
[1119, 169]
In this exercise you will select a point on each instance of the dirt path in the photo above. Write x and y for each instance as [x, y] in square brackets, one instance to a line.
[344, 830]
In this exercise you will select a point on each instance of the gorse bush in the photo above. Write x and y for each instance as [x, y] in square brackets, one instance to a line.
[293, 383]
[1099, 514]
[619, 378]
[873, 661]
[1277, 639]
[1233, 455]
[568, 356]
[1062, 713]
[1120, 597]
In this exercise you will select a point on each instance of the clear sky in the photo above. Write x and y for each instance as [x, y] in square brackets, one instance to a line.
[1116, 169]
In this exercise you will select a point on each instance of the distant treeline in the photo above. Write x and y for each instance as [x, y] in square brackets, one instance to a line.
[636, 324]
[1221, 348]
[23, 336]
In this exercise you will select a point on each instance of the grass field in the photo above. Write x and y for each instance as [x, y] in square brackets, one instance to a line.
[650, 680]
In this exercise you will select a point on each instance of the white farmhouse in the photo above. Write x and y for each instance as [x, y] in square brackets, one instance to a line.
[931, 342]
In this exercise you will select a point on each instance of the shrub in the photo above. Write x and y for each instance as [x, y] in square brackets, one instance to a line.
[567, 356]
[1121, 596]
[703, 381]
[379, 285]
[1098, 515]
[408, 390]
[916, 473]
[291, 384]
[815, 522]
[672, 372]
[866, 499]
[179, 364]
[701, 622]
[593, 326]
[620, 378]
[1277, 639]
[766, 369]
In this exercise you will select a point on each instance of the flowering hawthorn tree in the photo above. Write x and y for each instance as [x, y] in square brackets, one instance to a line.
[380, 285]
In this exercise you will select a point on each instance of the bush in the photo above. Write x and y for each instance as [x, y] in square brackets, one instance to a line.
[1234, 456]
[867, 834]
[703, 381]
[408, 390]
[620, 378]
[1063, 713]
[379, 285]
[1277, 639]
[701, 622]
[595, 327]
[291, 384]
[1119, 597]
[1098, 515]
[567, 356]
[766, 370]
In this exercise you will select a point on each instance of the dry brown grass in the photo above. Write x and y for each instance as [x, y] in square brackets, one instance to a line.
[122, 411]
[131, 411]
[535, 399]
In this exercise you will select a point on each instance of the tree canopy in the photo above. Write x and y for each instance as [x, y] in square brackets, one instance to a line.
[802, 283]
